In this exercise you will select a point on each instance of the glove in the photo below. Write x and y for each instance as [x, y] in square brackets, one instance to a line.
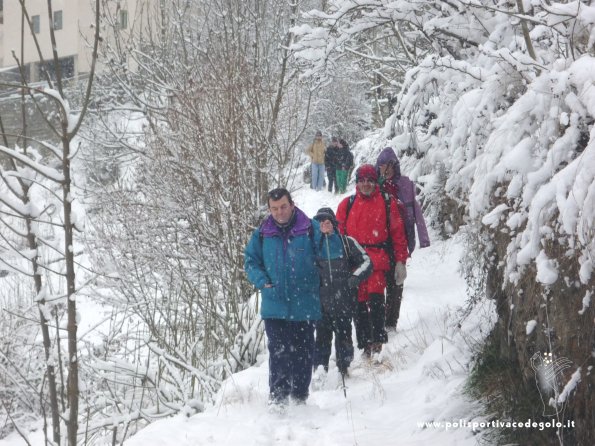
[353, 282]
[400, 273]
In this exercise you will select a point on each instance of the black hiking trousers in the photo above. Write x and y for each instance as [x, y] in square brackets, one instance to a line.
[394, 296]
[369, 322]
[340, 327]
[331, 174]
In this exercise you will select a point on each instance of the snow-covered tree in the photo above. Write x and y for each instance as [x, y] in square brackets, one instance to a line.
[210, 115]
[494, 119]
[38, 233]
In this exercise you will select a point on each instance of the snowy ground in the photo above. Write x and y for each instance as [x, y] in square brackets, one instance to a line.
[417, 379]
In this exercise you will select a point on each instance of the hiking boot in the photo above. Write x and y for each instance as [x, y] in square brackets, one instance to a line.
[376, 347]
[299, 401]
[276, 406]
[367, 351]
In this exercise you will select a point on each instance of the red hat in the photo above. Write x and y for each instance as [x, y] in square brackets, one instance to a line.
[366, 171]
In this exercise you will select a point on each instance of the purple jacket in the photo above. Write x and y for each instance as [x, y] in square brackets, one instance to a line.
[405, 192]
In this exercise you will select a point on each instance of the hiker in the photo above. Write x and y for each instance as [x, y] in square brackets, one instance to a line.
[316, 152]
[344, 165]
[330, 163]
[280, 260]
[372, 218]
[344, 264]
[402, 188]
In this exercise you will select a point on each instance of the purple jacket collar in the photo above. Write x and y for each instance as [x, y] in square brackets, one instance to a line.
[300, 226]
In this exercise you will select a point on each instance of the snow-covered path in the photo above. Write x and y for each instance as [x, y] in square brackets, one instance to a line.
[420, 380]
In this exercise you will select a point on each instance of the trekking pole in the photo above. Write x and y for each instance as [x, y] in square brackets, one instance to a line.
[344, 386]
[328, 257]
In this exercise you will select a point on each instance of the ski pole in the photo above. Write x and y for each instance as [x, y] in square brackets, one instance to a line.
[328, 257]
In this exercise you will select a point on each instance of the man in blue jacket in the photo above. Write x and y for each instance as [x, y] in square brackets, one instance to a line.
[280, 260]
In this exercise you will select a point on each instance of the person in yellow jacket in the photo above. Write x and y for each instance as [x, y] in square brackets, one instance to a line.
[316, 152]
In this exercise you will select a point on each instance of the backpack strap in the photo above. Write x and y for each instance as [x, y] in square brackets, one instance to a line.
[349, 206]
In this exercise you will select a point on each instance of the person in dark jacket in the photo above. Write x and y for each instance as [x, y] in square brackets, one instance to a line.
[374, 221]
[281, 261]
[330, 163]
[401, 188]
[344, 264]
[344, 165]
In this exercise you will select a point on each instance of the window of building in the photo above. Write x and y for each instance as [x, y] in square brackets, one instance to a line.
[123, 22]
[57, 20]
[66, 68]
[35, 23]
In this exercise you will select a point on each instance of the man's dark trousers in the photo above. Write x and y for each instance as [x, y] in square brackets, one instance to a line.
[291, 348]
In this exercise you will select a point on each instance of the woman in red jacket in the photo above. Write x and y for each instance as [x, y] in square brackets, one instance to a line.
[363, 216]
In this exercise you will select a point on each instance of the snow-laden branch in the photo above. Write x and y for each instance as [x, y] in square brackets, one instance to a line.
[48, 172]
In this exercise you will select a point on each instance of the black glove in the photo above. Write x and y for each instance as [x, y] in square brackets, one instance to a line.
[353, 282]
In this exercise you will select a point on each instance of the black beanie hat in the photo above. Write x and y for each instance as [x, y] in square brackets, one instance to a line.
[326, 214]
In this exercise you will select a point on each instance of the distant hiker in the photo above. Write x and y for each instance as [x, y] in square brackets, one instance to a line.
[401, 187]
[330, 163]
[316, 152]
[344, 165]
[281, 261]
[372, 218]
[344, 264]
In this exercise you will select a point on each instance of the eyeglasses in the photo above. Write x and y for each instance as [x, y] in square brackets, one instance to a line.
[366, 180]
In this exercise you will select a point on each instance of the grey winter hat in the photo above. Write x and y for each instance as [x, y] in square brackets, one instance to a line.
[326, 214]
[318, 133]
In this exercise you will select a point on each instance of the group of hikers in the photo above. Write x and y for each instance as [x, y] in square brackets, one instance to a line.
[318, 275]
[336, 160]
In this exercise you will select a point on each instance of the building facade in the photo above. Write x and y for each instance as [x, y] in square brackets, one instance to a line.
[74, 25]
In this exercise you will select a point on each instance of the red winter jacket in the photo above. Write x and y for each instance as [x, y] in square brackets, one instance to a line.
[367, 224]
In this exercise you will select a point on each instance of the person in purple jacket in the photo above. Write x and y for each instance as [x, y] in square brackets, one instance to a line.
[402, 188]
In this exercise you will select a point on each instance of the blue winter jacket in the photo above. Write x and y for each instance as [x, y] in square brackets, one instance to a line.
[287, 260]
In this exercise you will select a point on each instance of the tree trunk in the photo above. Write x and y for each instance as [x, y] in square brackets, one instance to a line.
[525, 28]
[73, 384]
